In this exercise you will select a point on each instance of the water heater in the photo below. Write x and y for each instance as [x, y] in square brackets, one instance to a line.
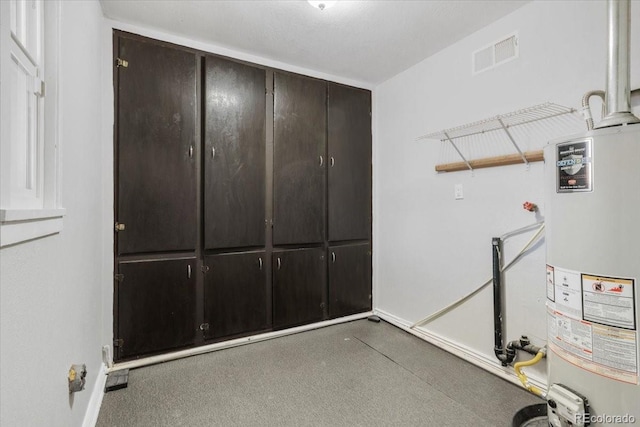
[593, 267]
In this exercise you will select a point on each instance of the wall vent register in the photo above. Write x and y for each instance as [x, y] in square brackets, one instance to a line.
[497, 53]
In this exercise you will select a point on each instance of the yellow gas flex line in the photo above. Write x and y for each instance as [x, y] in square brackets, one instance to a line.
[523, 377]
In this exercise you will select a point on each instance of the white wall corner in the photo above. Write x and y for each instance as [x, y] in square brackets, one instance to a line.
[463, 352]
[95, 401]
[107, 179]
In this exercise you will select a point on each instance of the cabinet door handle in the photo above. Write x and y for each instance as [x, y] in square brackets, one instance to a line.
[189, 271]
[333, 161]
[213, 152]
[260, 262]
[333, 257]
[191, 151]
[279, 262]
[321, 161]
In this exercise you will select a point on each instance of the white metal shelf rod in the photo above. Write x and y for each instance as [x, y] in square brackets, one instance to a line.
[532, 119]
[466, 162]
[506, 130]
[536, 118]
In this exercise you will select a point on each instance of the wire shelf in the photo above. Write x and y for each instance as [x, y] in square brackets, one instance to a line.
[507, 125]
[515, 118]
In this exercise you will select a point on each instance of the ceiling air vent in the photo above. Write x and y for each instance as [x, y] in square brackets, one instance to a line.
[495, 54]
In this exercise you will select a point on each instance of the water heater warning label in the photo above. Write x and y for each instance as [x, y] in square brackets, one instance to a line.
[603, 350]
[574, 166]
[592, 323]
[608, 301]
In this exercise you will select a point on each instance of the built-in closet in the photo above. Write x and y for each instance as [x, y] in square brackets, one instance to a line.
[242, 198]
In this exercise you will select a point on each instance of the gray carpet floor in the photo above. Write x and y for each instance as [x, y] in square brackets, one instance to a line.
[354, 374]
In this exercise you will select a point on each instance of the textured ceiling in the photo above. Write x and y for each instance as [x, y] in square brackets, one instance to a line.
[366, 41]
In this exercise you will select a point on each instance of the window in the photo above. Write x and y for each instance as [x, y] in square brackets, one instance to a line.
[29, 196]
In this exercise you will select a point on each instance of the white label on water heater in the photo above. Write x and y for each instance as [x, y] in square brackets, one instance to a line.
[599, 336]
[568, 292]
[551, 289]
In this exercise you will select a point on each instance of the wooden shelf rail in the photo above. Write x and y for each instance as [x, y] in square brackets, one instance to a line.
[489, 162]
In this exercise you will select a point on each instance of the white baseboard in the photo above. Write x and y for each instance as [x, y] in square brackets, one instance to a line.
[151, 360]
[95, 401]
[471, 356]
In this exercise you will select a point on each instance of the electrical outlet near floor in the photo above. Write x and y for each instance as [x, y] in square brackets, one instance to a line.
[457, 192]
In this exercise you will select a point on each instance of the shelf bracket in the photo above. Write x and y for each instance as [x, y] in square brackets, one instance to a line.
[506, 130]
[448, 138]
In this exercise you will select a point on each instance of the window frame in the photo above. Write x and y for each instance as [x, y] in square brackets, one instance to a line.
[39, 213]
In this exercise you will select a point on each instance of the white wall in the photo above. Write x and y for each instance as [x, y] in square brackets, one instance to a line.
[51, 290]
[430, 249]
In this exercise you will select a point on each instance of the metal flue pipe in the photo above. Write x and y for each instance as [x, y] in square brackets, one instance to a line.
[618, 93]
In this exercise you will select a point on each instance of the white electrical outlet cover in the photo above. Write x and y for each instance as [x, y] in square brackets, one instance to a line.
[458, 192]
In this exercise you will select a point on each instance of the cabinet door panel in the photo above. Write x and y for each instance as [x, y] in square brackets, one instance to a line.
[156, 306]
[349, 140]
[235, 296]
[349, 279]
[156, 148]
[234, 155]
[298, 281]
[299, 163]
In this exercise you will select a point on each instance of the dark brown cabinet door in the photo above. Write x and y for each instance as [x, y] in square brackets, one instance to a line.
[156, 306]
[298, 281]
[299, 159]
[157, 149]
[234, 154]
[235, 296]
[349, 143]
[349, 279]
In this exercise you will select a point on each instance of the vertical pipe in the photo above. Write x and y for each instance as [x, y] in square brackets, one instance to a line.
[496, 246]
[618, 90]
[618, 97]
